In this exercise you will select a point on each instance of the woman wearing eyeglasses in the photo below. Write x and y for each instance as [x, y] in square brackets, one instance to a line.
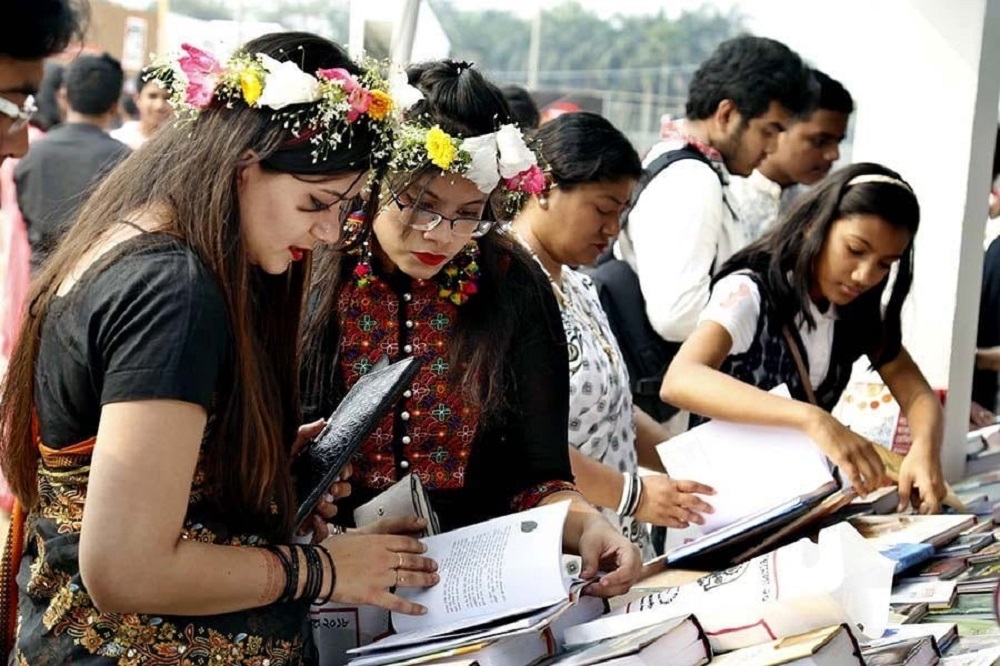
[484, 424]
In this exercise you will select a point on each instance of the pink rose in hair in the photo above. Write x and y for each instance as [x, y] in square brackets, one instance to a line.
[531, 181]
[202, 71]
[360, 99]
[347, 82]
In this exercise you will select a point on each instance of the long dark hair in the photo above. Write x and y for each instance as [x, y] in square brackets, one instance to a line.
[189, 171]
[464, 104]
[785, 257]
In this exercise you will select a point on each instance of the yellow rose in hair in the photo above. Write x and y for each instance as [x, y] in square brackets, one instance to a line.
[251, 86]
[440, 149]
[380, 105]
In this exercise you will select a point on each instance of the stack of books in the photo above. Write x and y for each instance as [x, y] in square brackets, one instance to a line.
[496, 607]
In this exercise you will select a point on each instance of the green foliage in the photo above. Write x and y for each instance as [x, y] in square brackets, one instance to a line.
[580, 50]
[328, 18]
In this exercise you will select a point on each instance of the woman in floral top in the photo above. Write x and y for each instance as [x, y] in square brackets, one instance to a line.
[483, 425]
[590, 170]
[150, 406]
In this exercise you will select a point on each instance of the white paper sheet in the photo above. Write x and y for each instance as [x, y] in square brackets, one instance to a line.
[751, 468]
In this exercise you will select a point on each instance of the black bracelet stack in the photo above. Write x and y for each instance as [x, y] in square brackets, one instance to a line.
[314, 573]
[313, 559]
[290, 565]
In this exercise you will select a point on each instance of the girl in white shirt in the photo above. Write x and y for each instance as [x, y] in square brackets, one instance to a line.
[818, 279]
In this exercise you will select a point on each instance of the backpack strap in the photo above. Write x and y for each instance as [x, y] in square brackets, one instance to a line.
[686, 152]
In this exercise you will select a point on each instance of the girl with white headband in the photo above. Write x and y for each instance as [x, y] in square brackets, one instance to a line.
[484, 423]
[799, 307]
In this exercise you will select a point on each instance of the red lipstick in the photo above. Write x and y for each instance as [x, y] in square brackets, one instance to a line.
[429, 258]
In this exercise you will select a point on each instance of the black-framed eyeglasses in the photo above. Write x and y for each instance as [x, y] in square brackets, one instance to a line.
[422, 219]
[21, 115]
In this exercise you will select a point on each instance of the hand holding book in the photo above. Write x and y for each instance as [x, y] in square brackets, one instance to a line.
[920, 480]
[371, 567]
[603, 548]
[853, 454]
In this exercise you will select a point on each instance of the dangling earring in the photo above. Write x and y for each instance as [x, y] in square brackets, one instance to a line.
[458, 281]
[352, 228]
[363, 269]
[543, 196]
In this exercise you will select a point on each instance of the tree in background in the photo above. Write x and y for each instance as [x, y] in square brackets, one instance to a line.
[328, 18]
[206, 10]
[639, 54]
[633, 67]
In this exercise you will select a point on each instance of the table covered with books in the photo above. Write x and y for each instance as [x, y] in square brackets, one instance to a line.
[806, 573]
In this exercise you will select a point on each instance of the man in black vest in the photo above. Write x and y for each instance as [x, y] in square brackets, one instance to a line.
[681, 227]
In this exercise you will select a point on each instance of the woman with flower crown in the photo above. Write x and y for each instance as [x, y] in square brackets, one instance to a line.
[484, 424]
[150, 408]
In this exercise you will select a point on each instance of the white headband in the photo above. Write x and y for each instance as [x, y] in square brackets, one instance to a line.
[878, 178]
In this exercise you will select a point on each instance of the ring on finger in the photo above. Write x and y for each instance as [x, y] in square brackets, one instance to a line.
[399, 561]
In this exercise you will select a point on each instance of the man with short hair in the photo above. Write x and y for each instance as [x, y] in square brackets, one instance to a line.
[805, 153]
[63, 166]
[681, 228]
[30, 31]
[153, 105]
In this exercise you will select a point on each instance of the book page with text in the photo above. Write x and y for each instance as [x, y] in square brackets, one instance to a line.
[492, 570]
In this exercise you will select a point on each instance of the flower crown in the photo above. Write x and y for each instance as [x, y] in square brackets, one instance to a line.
[320, 106]
[486, 160]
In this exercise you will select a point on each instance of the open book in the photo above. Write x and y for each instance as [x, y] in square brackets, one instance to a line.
[764, 478]
[501, 576]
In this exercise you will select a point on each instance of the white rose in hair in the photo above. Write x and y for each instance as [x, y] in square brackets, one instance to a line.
[402, 93]
[515, 156]
[286, 84]
[483, 168]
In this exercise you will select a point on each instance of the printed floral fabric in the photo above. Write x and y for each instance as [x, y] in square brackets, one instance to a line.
[58, 622]
[439, 427]
[601, 418]
[432, 432]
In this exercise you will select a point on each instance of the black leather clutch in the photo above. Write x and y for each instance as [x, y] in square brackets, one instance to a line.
[353, 420]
